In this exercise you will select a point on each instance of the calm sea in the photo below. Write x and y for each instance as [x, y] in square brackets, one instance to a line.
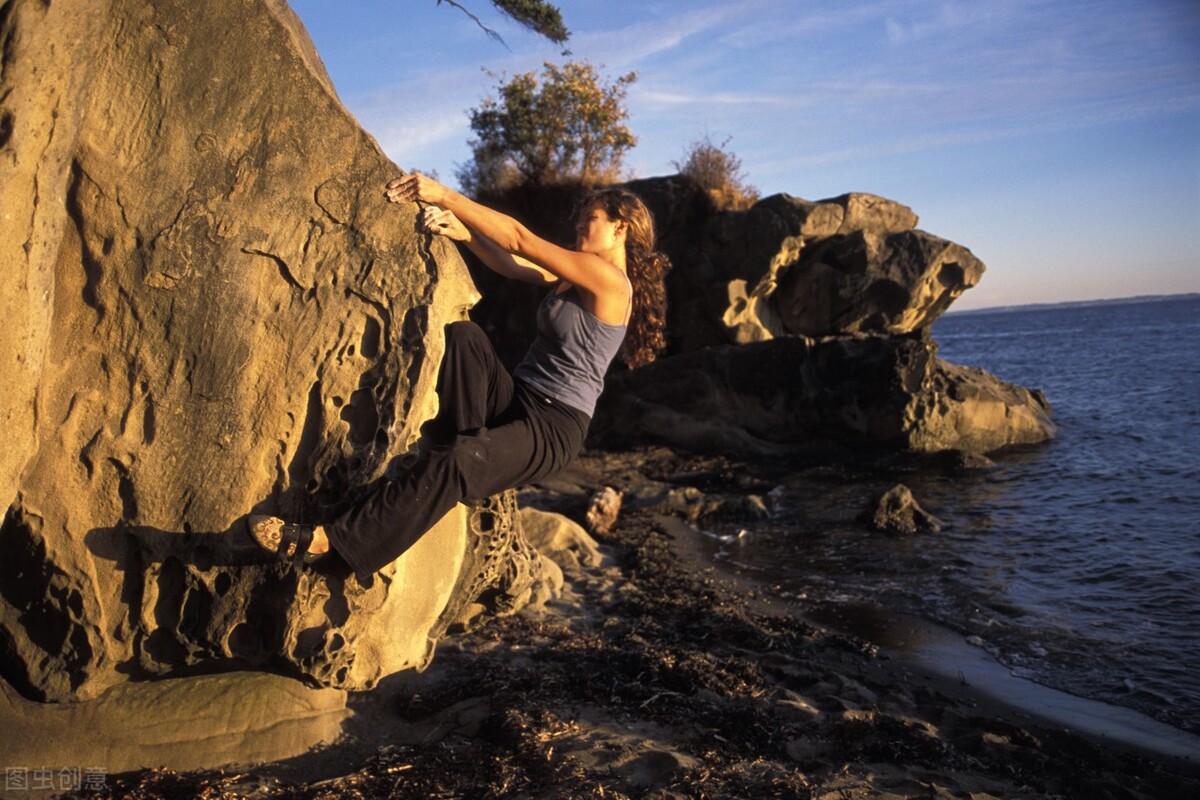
[1076, 563]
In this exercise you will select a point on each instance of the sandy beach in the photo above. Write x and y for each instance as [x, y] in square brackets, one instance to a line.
[651, 676]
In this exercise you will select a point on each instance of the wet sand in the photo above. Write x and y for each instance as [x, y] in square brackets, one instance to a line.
[651, 676]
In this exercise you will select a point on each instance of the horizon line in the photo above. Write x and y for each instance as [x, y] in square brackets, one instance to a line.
[1140, 298]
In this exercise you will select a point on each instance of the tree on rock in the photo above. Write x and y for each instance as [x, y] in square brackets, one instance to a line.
[568, 125]
[538, 16]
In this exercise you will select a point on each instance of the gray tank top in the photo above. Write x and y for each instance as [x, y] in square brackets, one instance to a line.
[571, 354]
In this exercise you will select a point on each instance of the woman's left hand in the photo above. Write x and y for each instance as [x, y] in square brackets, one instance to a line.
[416, 187]
[444, 223]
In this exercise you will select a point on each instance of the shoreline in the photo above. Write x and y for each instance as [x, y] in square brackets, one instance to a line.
[1117, 726]
[651, 675]
[927, 647]
[930, 648]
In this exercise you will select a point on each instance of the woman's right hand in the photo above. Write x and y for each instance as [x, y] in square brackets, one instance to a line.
[416, 187]
[443, 223]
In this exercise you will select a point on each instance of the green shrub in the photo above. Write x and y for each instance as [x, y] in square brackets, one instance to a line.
[719, 172]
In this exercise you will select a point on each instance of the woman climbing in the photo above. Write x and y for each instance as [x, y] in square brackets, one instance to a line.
[508, 429]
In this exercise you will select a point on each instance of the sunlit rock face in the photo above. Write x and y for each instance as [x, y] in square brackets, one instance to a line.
[208, 309]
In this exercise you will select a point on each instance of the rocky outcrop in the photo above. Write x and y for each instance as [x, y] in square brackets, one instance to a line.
[209, 310]
[792, 325]
[829, 304]
[795, 394]
[854, 264]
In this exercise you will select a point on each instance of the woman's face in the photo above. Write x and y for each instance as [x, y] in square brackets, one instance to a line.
[596, 232]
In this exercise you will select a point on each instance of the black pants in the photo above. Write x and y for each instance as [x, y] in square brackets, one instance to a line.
[502, 433]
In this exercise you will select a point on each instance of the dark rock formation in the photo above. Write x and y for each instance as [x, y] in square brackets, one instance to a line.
[793, 393]
[849, 281]
[208, 309]
[837, 297]
[853, 264]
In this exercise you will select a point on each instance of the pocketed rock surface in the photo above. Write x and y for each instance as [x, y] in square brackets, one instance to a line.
[650, 677]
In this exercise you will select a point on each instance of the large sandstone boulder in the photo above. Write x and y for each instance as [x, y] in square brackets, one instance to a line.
[795, 394]
[209, 309]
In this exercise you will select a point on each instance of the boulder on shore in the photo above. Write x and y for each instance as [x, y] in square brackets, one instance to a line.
[897, 511]
[210, 310]
[849, 265]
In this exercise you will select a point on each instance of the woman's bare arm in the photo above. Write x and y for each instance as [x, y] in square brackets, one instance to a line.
[443, 222]
[589, 272]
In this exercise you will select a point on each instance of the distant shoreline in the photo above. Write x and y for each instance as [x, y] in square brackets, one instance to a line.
[1111, 301]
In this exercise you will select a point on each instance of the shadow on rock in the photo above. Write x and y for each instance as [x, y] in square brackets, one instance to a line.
[205, 602]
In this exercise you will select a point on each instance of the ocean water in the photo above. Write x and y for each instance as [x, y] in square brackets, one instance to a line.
[1077, 562]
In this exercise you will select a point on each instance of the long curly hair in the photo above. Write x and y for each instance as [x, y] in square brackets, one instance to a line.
[647, 269]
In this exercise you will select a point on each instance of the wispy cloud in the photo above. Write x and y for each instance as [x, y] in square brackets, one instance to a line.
[683, 98]
[949, 18]
[938, 75]
[631, 45]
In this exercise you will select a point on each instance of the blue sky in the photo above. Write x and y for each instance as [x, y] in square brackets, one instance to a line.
[1059, 140]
